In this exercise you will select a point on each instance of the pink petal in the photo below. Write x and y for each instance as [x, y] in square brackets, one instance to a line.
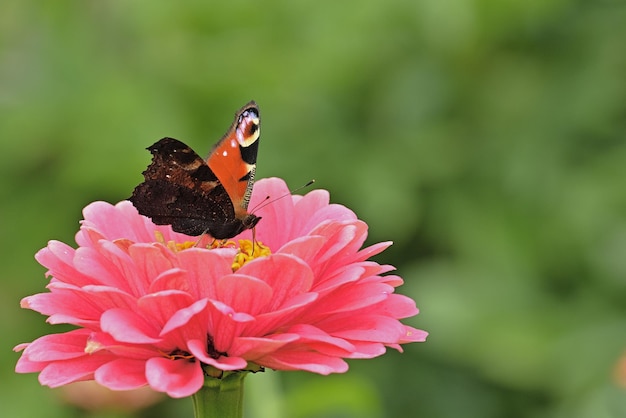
[366, 328]
[124, 267]
[78, 306]
[54, 347]
[150, 260]
[335, 213]
[178, 378]
[344, 239]
[184, 316]
[413, 335]
[287, 315]
[339, 236]
[62, 308]
[101, 341]
[103, 272]
[122, 374]
[343, 276]
[25, 365]
[307, 209]
[161, 306]
[198, 349]
[174, 278]
[122, 222]
[127, 326]
[304, 360]
[103, 298]
[318, 340]
[399, 306]
[58, 258]
[372, 250]
[305, 248]
[114, 223]
[350, 298]
[205, 268]
[77, 369]
[224, 324]
[278, 212]
[367, 349]
[287, 275]
[244, 293]
[253, 348]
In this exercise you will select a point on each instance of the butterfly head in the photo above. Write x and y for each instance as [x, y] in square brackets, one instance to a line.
[250, 221]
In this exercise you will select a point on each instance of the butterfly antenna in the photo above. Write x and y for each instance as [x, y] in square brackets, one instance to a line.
[267, 200]
[260, 204]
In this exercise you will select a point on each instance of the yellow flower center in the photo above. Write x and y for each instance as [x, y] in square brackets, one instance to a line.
[248, 250]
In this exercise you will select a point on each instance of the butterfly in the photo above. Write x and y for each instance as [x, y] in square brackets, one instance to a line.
[195, 196]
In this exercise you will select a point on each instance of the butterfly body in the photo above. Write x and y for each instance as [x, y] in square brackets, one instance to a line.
[197, 196]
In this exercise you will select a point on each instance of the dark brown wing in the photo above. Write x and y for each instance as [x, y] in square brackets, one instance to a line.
[181, 190]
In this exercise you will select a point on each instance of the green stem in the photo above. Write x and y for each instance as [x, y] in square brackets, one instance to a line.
[220, 397]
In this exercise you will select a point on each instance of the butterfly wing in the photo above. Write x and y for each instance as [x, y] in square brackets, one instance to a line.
[182, 190]
[233, 158]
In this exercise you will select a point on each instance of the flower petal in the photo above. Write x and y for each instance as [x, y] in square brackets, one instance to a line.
[122, 374]
[253, 348]
[198, 349]
[277, 212]
[304, 360]
[178, 378]
[55, 347]
[62, 372]
[205, 268]
[128, 326]
[244, 293]
[59, 259]
[287, 275]
[184, 316]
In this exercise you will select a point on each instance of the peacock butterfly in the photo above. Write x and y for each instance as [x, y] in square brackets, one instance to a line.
[196, 197]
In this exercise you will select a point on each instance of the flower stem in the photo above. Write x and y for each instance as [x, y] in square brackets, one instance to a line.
[220, 397]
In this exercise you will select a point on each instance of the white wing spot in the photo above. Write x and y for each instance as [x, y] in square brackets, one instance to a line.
[224, 154]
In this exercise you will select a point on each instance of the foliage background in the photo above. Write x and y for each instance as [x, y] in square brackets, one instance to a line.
[485, 137]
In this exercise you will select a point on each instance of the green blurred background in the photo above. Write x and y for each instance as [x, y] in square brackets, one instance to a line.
[486, 138]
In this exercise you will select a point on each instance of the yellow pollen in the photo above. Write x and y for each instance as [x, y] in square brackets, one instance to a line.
[172, 245]
[222, 244]
[249, 251]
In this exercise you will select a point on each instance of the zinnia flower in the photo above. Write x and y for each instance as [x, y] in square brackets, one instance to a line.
[152, 307]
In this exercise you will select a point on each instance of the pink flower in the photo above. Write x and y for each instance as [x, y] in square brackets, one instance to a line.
[152, 309]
